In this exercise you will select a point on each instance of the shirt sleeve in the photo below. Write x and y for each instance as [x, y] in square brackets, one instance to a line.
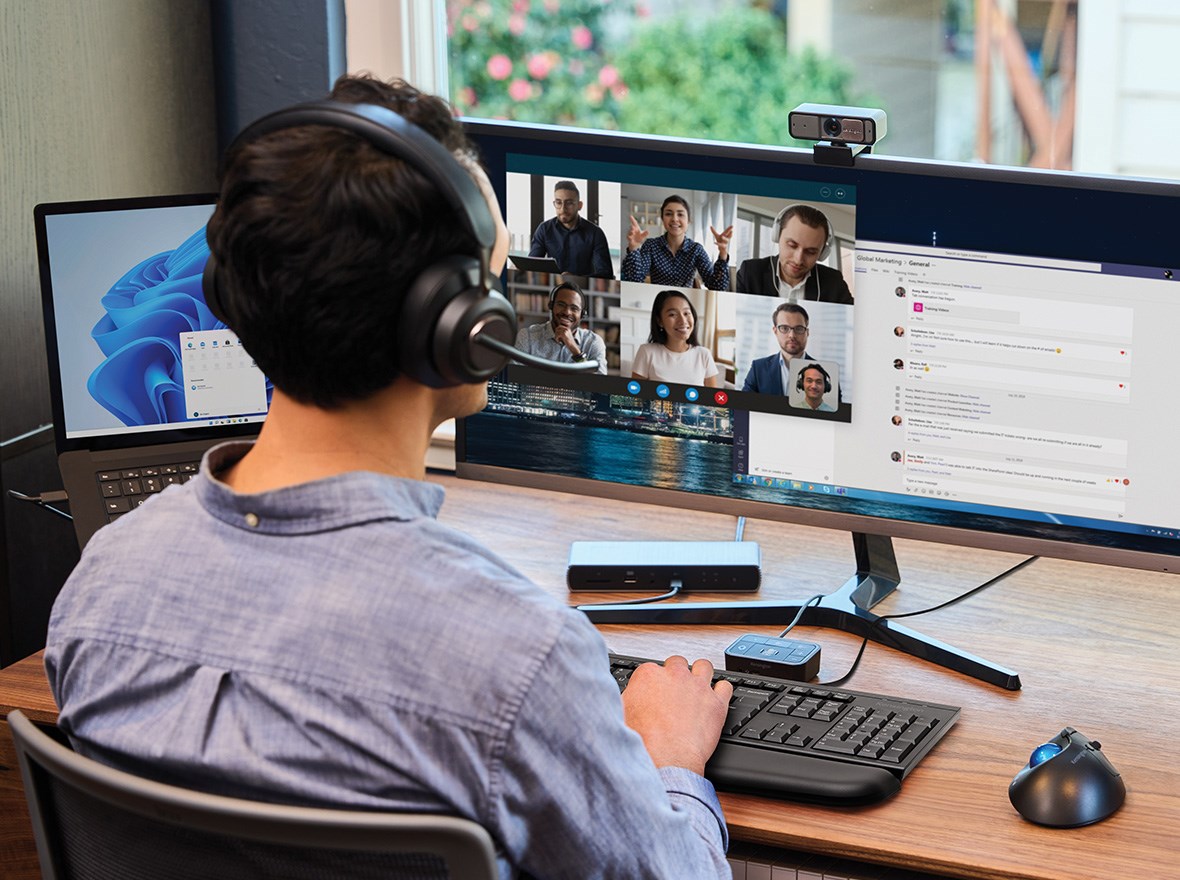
[539, 249]
[579, 796]
[710, 365]
[637, 264]
[641, 363]
[714, 274]
[595, 349]
[600, 258]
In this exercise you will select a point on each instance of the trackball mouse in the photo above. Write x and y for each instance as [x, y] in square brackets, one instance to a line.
[1067, 782]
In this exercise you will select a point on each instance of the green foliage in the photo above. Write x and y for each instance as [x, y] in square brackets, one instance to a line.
[725, 78]
[534, 60]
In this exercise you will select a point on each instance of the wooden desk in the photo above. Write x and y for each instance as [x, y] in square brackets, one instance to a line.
[1094, 646]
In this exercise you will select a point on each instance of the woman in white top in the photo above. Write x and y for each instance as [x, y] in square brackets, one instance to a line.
[672, 353]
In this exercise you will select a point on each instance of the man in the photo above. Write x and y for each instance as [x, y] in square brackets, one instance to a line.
[579, 246]
[561, 338]
[804, 237]
[772, 374]
[815, 382]
[294, 624]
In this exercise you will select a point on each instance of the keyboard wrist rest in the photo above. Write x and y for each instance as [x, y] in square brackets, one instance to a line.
[794, 777]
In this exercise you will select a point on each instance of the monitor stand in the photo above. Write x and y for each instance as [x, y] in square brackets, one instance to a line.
[847, 609]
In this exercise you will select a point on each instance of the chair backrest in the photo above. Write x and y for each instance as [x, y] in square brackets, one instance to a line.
[93, 822]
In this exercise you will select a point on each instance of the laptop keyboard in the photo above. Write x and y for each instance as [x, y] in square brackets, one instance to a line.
[816, 744]
[124, 490]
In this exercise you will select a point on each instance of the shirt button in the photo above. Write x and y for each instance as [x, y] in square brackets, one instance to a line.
[252, 520]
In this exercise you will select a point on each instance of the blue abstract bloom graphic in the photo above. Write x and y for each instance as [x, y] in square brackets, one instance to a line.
[141, 380]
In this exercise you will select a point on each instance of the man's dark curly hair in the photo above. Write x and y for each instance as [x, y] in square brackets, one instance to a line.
[317, 235]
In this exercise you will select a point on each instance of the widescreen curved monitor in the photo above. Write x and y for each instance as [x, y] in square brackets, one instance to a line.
[996, 348]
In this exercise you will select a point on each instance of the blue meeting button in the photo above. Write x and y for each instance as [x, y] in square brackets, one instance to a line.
[662, 391]
[633, 387]
[691, 395]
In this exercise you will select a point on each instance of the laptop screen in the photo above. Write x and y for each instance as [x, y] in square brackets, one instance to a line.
[135, 355]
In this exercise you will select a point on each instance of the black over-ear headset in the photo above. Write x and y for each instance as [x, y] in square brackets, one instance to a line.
[814, 365]
[453, 328]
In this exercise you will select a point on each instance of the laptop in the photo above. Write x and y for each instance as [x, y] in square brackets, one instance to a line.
[534, 264]
[143, 378]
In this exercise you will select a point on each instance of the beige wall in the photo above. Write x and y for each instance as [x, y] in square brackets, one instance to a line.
[97, 100]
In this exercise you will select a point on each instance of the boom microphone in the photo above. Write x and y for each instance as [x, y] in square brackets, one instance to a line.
[511, 351]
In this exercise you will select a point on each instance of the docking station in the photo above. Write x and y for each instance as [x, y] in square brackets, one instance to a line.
[699, 566]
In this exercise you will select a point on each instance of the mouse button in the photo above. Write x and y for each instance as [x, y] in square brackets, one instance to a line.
[1096, 751]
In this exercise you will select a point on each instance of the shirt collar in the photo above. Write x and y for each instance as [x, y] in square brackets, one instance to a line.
[337, 502]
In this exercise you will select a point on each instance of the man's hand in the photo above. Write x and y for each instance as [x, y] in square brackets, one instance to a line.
[565, 336]
[677, 711]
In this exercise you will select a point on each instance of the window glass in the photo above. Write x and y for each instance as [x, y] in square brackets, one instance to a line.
[1047, 83]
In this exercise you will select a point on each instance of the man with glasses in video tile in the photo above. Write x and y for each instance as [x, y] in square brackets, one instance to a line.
[772, 374]
[578, 246]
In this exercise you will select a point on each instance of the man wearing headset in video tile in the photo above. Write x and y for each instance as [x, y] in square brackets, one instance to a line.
[562, 338]
[803, 236]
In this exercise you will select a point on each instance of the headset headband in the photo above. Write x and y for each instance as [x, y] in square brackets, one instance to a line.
[392, 134]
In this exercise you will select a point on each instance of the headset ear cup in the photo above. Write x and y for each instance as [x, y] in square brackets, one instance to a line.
[461, 359]
[446, 307]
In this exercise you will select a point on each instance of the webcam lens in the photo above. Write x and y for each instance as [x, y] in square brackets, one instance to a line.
[833, 126]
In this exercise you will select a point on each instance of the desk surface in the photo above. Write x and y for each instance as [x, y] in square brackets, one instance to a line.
[1092, 644]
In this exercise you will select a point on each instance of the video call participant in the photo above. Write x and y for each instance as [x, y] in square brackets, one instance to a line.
[673, 258]
[772, 374]
[814, 382]
[672, 352]
[287, 646]
[562, 338]
[579, 246]
[804, 237]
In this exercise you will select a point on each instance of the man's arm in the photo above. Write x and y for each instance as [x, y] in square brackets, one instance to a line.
[835, 288]
[751, 383]
[585, 795]
[600, 264]
[539, 248]
[594, 348]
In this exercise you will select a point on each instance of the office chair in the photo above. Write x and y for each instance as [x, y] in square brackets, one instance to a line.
[92, 822]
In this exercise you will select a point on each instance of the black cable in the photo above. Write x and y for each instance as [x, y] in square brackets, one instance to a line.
[677, 586]
[43, 500]
[864, 643]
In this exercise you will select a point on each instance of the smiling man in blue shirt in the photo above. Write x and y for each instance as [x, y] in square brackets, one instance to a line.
[272, 644]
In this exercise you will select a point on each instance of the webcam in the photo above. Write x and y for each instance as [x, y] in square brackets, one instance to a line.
[841, 132]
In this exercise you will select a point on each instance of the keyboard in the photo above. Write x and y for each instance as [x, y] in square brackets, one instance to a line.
[126, 489]
[815, 744]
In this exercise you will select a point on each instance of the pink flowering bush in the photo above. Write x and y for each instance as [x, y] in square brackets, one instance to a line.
[535, 60]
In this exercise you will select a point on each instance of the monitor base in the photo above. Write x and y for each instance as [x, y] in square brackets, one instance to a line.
[847, 610]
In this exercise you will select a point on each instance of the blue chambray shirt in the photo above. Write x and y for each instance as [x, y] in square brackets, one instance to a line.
[333, 644]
